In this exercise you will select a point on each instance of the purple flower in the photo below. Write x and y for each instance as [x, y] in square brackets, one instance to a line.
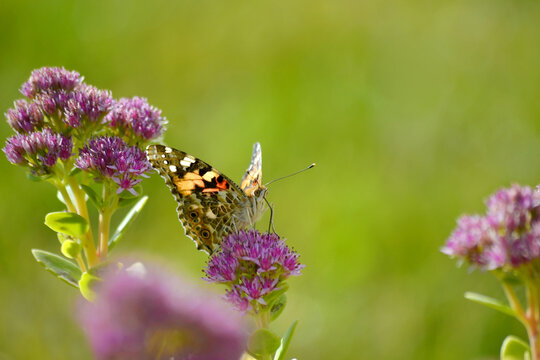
[155, 316]
[136, 116]
[87, 103]
[111, 157]
[507, 236]
[39, 150]
[253, 265]
[25, 117]
[476, 241]
[53, 101]
[50, 79]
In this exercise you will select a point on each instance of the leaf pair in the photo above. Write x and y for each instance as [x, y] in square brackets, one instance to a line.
[263, 343]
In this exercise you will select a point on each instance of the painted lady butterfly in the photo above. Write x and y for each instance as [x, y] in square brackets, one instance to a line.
[210, 205]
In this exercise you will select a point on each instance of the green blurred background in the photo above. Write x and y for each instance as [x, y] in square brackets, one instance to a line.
[414, 112]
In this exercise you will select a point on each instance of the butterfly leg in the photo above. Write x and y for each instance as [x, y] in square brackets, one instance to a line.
[271, 222]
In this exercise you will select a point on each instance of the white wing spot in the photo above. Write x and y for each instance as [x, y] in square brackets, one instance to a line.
[172, 168]
[189, 158]
[210, 214]
[185, 163]
[165, 162]
[162, 155]
[168, 150]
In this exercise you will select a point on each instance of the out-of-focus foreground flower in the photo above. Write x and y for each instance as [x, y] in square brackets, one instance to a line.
[154, 315]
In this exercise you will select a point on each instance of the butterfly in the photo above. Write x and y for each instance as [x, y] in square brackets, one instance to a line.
[210, 205]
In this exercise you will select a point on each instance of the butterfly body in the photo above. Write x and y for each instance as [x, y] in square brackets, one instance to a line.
[210, 205]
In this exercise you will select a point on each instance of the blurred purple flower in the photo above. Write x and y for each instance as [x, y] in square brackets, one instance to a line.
[50, 79]
[25, 117]
[508, 235]
[136, 116]
[111, 157]
[156, 316]
[39, 150]
[253, 265]
[87, 103]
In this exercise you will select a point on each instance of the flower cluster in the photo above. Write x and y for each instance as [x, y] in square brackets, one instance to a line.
[111, 157]
[507, 236]
[87, 105]
[153, 315]
[38, 150]
[62, 112]
[135, 116]
[25, 117]
[253, 265]
[50, 79]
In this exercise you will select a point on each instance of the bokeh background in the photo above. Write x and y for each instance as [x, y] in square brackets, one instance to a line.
[415, 111]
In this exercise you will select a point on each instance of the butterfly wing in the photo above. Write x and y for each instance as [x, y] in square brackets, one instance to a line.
[252, 179]
[207, 200]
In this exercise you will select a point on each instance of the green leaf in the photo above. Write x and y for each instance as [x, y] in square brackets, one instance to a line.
[93, 196]
[262, 342]
[75, 171]
[285, 342]
[513, 348]
[123, 202]
[67, 223]
[490, 302]
[276, 295]
[65, 270]
[128, 219]
[33, 178]
[60, 197]
[71, 249]
[511, 278]
[88, 284]
[128, 195]
[277, 307]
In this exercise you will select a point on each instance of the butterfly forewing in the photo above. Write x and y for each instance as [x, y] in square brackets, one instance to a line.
[252, 179]
[208, 201]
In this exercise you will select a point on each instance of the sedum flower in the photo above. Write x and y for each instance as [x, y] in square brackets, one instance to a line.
[253, 265]
[48, 79]
[25, 117]
[111, 158]
[507, 236]
[38, 150]
[152, 315]
[87, 103]
[135, 116]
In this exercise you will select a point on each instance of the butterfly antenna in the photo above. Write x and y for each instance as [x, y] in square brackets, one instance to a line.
[271, 223]
[286, 176]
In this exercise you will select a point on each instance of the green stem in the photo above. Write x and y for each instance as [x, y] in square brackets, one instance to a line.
[514, 302]
[67, 199]
[105, 215]
[532, 318]
[262, 319]
[80, 261]
[71, 208]
[88, 241]
[104, 225]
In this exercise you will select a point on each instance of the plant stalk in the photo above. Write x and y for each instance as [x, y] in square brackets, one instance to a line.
[88, 241]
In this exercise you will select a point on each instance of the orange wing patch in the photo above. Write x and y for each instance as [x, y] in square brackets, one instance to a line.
[188, 183]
